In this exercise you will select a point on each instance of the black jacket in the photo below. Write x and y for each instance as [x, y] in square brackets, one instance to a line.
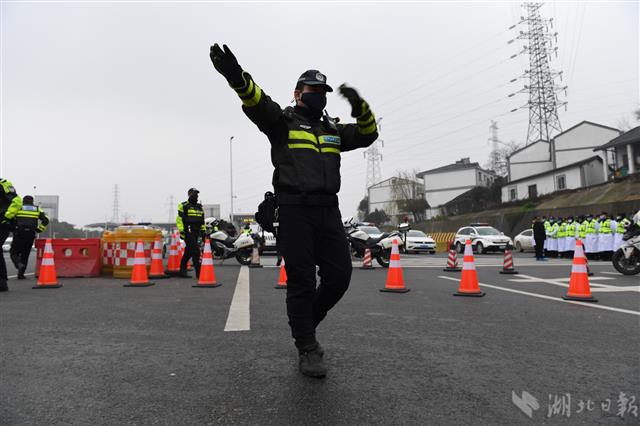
[305, 150]
[539, 231]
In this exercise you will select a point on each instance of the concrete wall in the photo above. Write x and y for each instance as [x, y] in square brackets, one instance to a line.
[578, 143]
[532, 160]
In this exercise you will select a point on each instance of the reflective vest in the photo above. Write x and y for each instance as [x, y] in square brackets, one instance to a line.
[305, 150]
[582, 230]
[10, 203]
[547, 225]
[28, 217]
[562, 231]
[605, 226]
[553, 231]
[622, 225]
[591, 227]
[571, 230]
[191, 217]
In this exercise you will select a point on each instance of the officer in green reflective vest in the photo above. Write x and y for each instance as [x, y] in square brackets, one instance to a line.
[10, 205]
[190, 223]
[306, 149]
[29, 221]
[605, 237]
[621, 226]
[591, 247]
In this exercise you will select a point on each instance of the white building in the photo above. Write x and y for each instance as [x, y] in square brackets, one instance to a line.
[445, 183]
[566, 162]
[626, 152]
[382, 197]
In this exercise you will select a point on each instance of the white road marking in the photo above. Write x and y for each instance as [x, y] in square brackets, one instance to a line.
[15, 276]
[239, 318]
[611, 273]
[564, 282]
[555, 299]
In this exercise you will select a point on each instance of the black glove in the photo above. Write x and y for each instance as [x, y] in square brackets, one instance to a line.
[354, 99]
[226, 64]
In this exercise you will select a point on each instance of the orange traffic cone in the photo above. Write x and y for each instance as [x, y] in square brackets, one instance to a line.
[255, 258]
[282, 279]
[395, 280]
[207, 278]
[173, 264]
[579, 288]
[366, 261]
[452, 260]
[157, 268]
[507, 265]
[469, 280]
[47, 277]
[139, 277]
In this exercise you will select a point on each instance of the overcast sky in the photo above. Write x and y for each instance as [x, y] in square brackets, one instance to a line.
[97, 94]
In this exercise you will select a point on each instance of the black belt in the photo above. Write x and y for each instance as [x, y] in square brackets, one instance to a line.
[324, 200]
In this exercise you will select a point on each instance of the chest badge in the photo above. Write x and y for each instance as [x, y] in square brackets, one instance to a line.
[304, 126]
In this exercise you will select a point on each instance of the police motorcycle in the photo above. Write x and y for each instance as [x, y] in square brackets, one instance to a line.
[225, 247]
[380, 247]
[626, 259]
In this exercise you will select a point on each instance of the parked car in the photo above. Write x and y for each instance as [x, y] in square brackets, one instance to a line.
[483, 238]
[524, 240]
[7, 244]
[418, 241]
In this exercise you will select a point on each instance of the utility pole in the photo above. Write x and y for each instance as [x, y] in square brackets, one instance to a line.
[171, 208]
[116, 204]
[373, 156]
[542, 89]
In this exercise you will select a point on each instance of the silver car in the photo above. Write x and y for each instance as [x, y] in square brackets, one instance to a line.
[524, 240]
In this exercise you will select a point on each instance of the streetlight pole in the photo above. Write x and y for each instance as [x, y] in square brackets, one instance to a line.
[231, 177]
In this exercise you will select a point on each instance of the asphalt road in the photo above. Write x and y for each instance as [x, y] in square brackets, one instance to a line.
[94, 352]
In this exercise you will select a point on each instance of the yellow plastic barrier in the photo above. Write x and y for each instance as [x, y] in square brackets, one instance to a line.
[108, 242]
[125, 239]
[441, 239]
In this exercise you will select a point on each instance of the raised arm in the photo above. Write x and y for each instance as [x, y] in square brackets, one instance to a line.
[365, 131]
[255, 103]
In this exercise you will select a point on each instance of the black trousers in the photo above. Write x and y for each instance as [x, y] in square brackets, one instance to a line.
[310, 236]
[539, 248]
[191, 251]
[4, 233]
[21, 249]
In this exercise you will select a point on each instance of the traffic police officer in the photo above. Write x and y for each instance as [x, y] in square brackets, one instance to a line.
[10, 205]
[306, 146]
[190, 222]
[28, 221]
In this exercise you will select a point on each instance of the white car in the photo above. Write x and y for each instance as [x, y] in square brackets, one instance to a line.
[483, 238]
[418, 241]
[524, 240]
[7, 244]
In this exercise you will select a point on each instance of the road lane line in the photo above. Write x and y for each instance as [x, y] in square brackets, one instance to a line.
[554, 281]
[239, 318]
[556, 299]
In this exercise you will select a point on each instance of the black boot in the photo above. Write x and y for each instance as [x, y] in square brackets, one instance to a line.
[311, 363]
[183, 274]
[3, 285]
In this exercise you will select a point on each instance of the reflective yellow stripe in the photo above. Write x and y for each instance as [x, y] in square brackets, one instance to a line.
[303, 146]
[28, 214]
[246, 91]
[301, 134]
[253, 101]
[369, 129]
[364, 123]
[328, 149]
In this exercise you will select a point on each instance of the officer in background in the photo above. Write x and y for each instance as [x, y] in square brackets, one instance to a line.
[539, 236]
[10, 205]
[306, 147]
[190, 222]
[28, 221]
[591, 246]
[621, 226]
[605, 237]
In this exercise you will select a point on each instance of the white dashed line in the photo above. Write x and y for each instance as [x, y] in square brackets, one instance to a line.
[239, 318]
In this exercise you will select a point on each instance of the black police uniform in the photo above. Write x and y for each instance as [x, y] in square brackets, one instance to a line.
[10, 205]
[190, 222]
[305, 151]
[27, 226]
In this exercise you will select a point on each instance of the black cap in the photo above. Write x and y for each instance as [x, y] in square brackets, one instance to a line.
[314, 78]
[27, 199]
[192, 190]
